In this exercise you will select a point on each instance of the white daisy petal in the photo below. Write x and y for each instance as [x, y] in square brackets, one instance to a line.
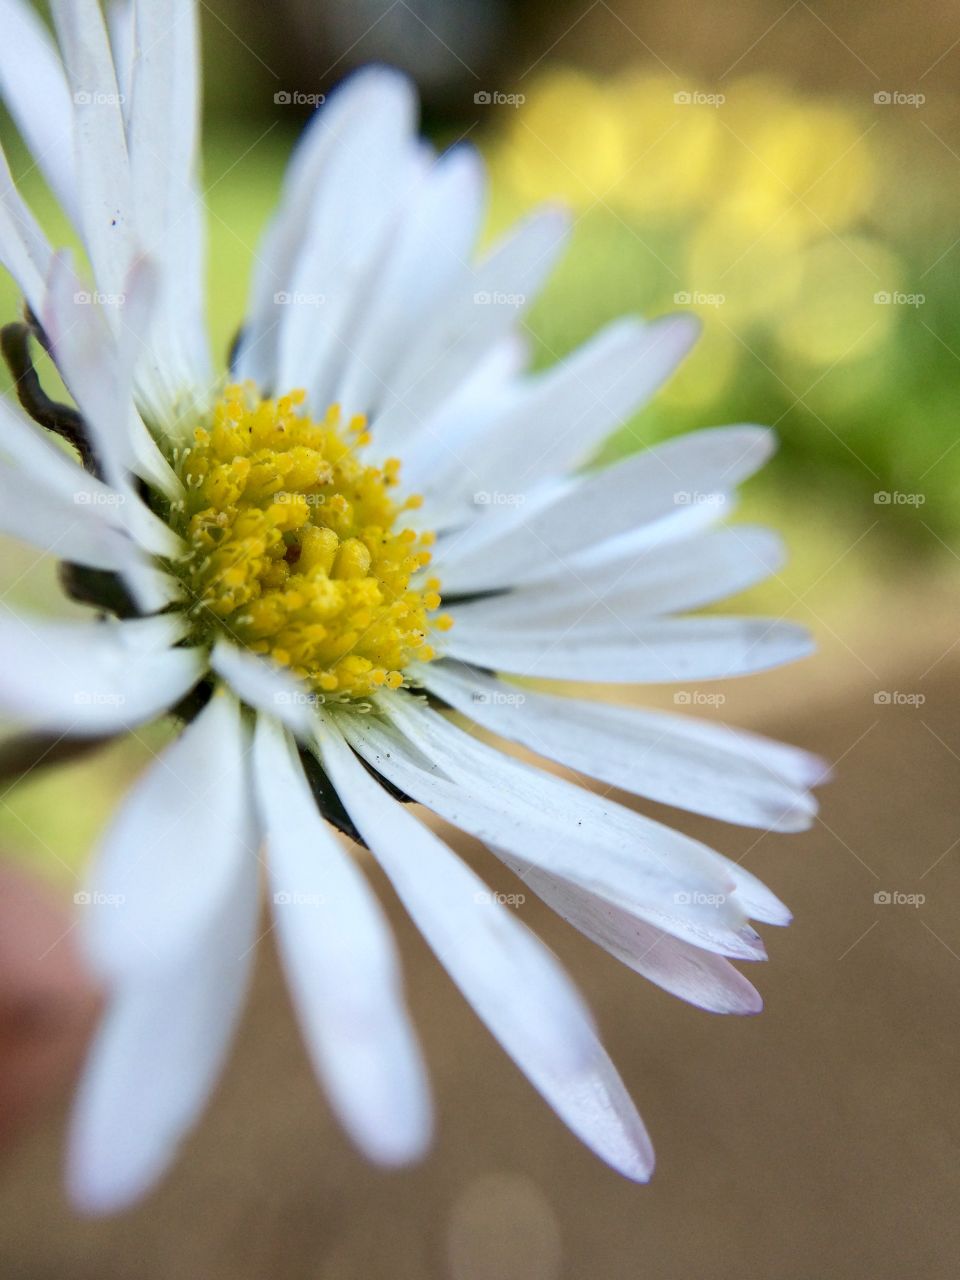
[679, 577]
[341, 965]
[486, 306]
[534, 819]
[51, 503]
[123, 45]
[77, 531]
[651, 754]
[759, 902]
[661, 651]
[433, 240]
[97, 366]
[492, 387]
[158, 1052]
[163, 142]
[36, 92]
[266, 687]
[172, 849]
[510, 979]
[704, 979]
[102, 165]
[798, 767]
[24, 249]
[713, 895]
[693, 470]
[34, 452]
[375, 92]
[339, 261]
[93, 678]
[563, 415]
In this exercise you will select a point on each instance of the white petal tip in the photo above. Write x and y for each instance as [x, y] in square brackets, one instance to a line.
[683, 324]
[639, 1167]
[398, 1152]
[101, 1194]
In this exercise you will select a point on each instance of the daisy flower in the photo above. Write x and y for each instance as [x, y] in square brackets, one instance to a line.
[263, 552]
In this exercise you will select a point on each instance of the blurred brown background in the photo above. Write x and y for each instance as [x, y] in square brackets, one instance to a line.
[820, 1138]
[823, 1137]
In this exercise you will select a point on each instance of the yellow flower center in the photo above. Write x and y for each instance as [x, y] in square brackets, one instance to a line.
[294, 546]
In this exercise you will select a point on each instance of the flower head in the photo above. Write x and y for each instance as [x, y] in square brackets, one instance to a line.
[318, 560]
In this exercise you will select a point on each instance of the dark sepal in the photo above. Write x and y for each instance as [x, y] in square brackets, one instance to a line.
[99, 587]
[328, 802]
[192, 703]
[24, 752]
[61, 419]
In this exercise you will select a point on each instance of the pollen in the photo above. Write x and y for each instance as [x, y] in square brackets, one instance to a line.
[298, 548]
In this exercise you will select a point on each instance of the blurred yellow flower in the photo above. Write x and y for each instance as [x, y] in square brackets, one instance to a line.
[748, 205]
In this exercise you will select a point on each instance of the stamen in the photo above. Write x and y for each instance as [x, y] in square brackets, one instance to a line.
[294, 546]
